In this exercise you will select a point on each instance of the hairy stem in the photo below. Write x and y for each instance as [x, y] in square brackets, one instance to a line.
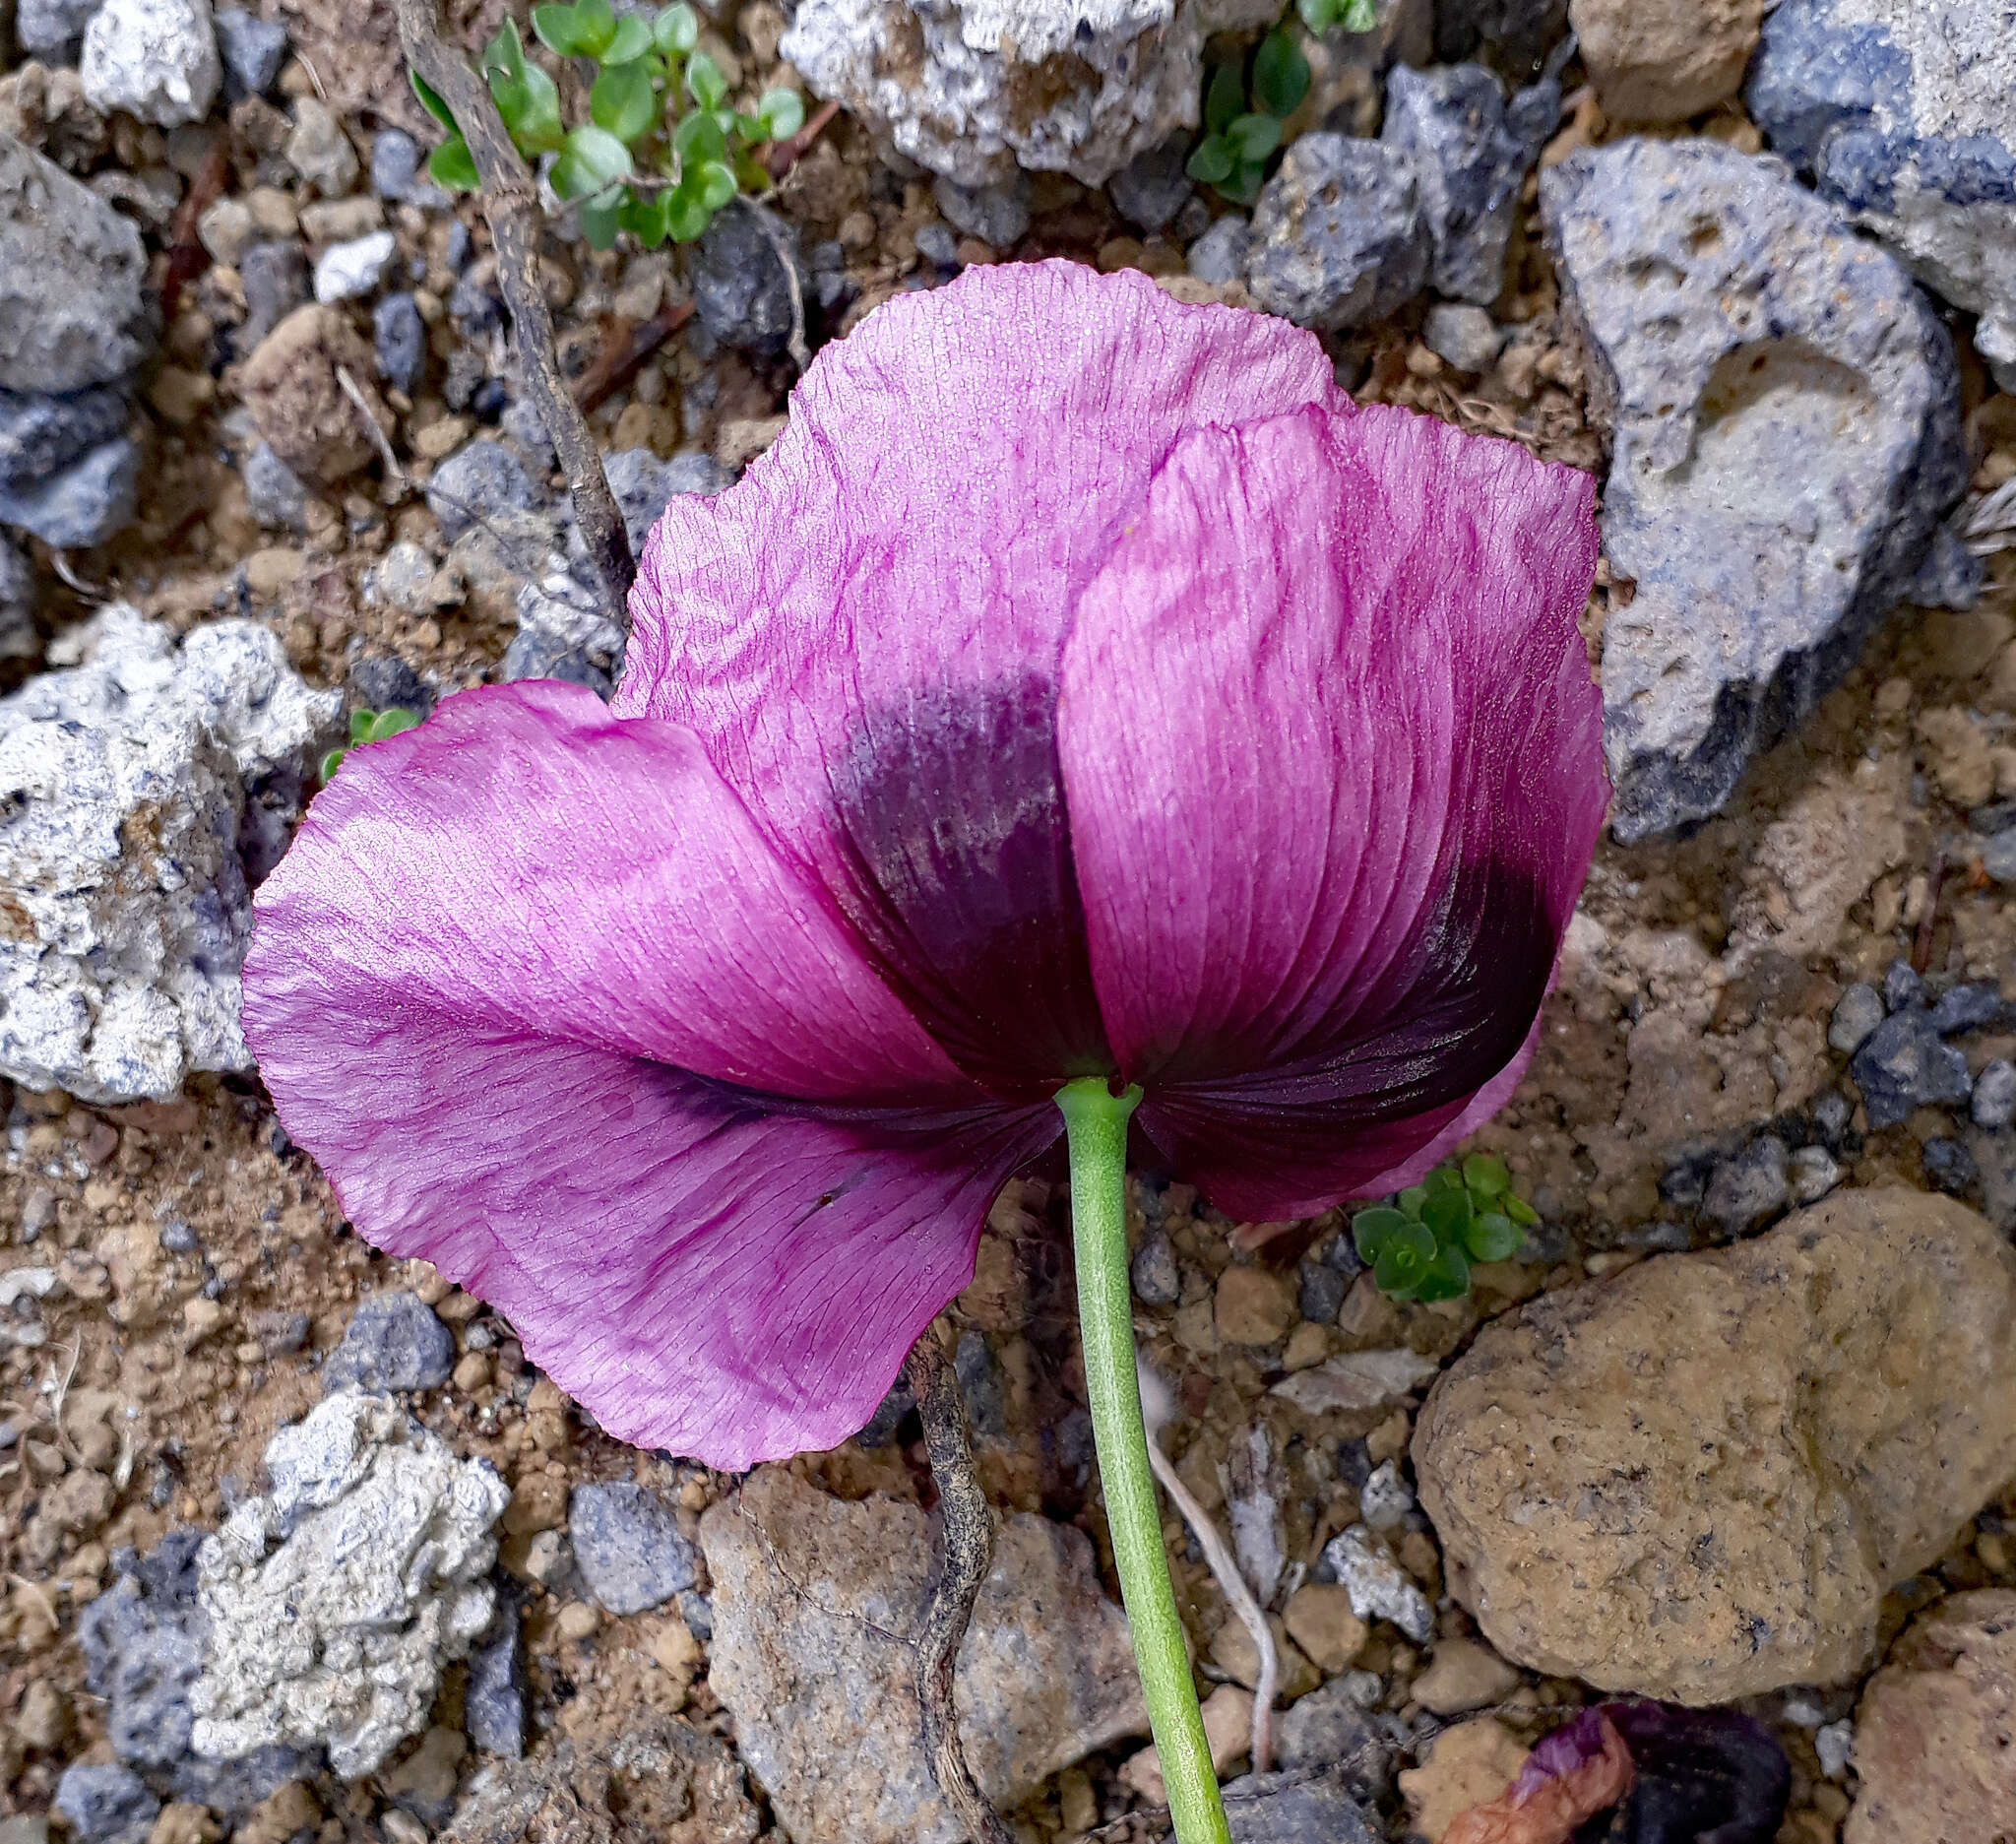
[969, 1530]
[511, 205]
[1095, 1127]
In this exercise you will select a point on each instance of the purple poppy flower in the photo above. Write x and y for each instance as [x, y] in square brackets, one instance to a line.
[1081, 685]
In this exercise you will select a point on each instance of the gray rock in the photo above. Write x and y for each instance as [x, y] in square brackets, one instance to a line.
[143, 1643]
[537, 654]
[1322, 1292]
[1832, 1113]
[1811, 1172]
[1951, 576]
[1378, 1587]
[335, 1600]
[394, 1341]
[1786, 440]
[1995, 1095]
[17, 638]
[936, 244]
[1158, 1281]
[1973, 1005]
[273, 491]
[1514, 36]
[73, 306]
[276, 279]
[1470, 154]
[494, 1700]
[1467, 336]
[1221, 253]
[1745, 1192]
[1904, 986]
[877, 1431]
[319, 151]
[1329, 1728]
[1153, 187]
[1904, 1065]
[1998, 856]
[1297, 1809]
[997, 214]
[1340, 238]
[643, 485]
[480, 481]
[383, 682]
[399, 171]
[106, 1804]
[52, 31]
[253, 50]
[628, 1547]
[400, 336]
[1951, 1167]
[90, 502]
[741, 288]
[968, 88]
[814, 1604]
[40, 434]
[1902, 116]
[346, 271]
[156, 59]
[1858, 1012]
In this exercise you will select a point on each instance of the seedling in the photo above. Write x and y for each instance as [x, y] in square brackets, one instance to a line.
[1421, 1245]
[370, 727]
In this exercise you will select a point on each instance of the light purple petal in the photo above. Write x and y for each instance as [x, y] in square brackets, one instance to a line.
[526, 862]
[864, 633]
[1334, 767]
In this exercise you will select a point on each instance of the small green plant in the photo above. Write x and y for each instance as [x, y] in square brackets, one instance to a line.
[1353, 16]
[370, 727]
[1240, 137]
[661, 150]
[1421, 1245]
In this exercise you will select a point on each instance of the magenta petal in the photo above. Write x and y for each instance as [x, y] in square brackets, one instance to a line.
[1334, 765]
[865, 633]
[528, 863]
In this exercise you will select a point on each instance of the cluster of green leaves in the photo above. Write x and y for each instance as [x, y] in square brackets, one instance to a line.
[1241, 136]
[370, 727]
[661, 150]
[1421, 1245]
[1353, 16]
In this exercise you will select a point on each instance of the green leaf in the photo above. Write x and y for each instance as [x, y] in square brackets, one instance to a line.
[1486, 1176]
[538, 129]
[595, 26]
[623, 101]
[1493, 1237]
[1520, 1211]
[393, 720]
[506, 51]
[1359, 16]
[1243, 187]
[1280, 73]
[332, 760]
[361, 721]
[1443, 1178]
[677, 30]
[431, 100]
[1226, 98]
[631, 42]
[1446, 1277]
[601, 216]
[644, 218]
[1413, 1198]
[713, 185]
[1254, 137]
[704, 81]
[591, 159]
[452, 166]
[1316, 15]
[1372, 1230]
[685, 216]
[1404, 1261]
[781, 113]
[1210, 161]
[697, 140]
[560, 30]
[1448, 1215]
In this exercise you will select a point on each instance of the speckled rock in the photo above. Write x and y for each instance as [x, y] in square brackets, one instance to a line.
[1339, 237]
[1785, 413]
[1664, 60]
[970, 88]
[156, 59]
[1935, 1733]
[1697, 1481]
[1901, 113]
[810, 1598]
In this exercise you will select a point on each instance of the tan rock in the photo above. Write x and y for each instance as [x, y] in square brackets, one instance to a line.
[1255, 1307]
[1468, 1766]
[1319, 1620]
[539, 1502]
[1696, 1480]
[1935, 1736]
[291, 385]
[1664, 60]
[1956, 751]
[1464, 1676]
[1233, 1652]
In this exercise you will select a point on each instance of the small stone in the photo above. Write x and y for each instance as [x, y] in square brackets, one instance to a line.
[1998, 856]
[1358, 1379]
[424, 1782]
[105, 1805]
[936, 244]
[1904, 986]
[346, 271]
[1995, 1095]
[43, 1719]
[1468, 1766]
[52, 31]
[1322, 1292]
[997, 214]
[1810, 1174]
[276, 279]
[1834, 1744]
[273, 491]
[1904, 1065]
[1158, 1281]
[1153, 187]
[480, 481]
[741, 288]
[1255, 1307]
[1340, 238]
[494, 1700]
[400, 337]
[383, 682]
[1467, 336]
[1664, 60]
[90, 502]
[1462, 1675]
[40, 434]
[1745, 1192]
[1951, 1167]
[393, 1341]
[1320, 1620]
[155, 59]
[399, 172]
[253, 48]
[319, 151]
[1385, 1499]
[1973, 1006]
[1329, 1728]
[1379, 1588]
[298, 403]
[533, 654]
[1858, 1012]
[1221, 254]
[225, 229]
[1296, 1808]
[628, 1546]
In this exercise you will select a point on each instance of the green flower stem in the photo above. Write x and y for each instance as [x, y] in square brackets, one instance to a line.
[1096, 1128]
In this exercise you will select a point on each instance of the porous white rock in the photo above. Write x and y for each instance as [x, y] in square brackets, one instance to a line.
[336, 1600]
[156, 59]
[134, 789]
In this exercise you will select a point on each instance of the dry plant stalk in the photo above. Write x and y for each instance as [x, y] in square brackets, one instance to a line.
[511, 205]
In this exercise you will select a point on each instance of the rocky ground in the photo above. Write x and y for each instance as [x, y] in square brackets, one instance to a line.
[1738, 1426]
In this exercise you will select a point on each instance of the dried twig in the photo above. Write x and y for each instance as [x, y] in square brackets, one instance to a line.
[968, 1550]
[379, 439]
[511, 207]
[785, 154]
[623, 358]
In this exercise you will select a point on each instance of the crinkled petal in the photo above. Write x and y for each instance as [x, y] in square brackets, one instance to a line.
[526, 862]
[704, 1276]
[865, 631]
[1333, 766]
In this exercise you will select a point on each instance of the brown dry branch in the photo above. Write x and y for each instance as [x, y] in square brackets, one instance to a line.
[511, 207]
[968, 1533]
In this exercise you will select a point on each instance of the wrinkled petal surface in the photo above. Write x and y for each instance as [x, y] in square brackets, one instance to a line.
[865, 633]
[1581, 1769]
[1333, 766]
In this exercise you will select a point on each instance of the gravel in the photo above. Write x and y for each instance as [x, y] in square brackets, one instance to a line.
[1858, 1012]
[394, 1341]
[628, 1547]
